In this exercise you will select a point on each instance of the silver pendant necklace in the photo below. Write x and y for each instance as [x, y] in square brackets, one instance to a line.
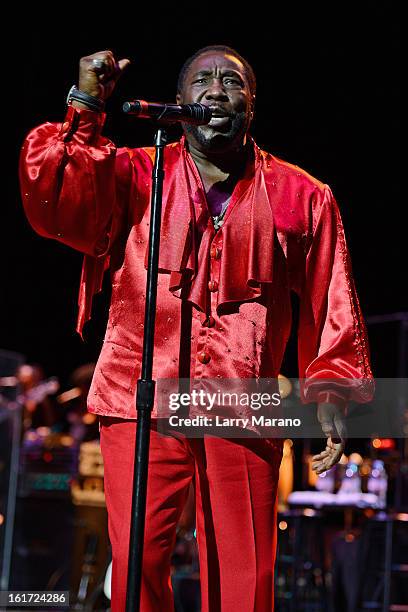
[219, 219]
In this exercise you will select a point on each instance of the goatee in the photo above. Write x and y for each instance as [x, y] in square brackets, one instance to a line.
[211, 139]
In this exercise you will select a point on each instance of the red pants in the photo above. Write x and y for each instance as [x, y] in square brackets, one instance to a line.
[236, 490]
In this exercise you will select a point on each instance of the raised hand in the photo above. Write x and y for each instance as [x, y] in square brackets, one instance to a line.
[98, 74]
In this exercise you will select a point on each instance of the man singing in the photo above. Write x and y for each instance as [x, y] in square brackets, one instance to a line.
[240, 230]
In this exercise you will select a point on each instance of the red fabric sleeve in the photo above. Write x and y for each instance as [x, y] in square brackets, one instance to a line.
[333, 347]
[68, 182]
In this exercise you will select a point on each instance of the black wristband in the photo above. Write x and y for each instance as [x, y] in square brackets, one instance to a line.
[95, 104]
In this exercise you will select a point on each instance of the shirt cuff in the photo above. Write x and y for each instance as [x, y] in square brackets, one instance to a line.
[328, 397]
[85, 125]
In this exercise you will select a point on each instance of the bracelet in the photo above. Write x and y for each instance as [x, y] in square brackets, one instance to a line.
[94, 103]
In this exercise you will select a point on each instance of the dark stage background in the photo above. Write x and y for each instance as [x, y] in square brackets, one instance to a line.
[329, 99]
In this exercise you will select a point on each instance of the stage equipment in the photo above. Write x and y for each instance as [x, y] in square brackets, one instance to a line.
[44, 513]
[42, 544]
[300, 577]
[48, 463]
[91, 545]
[348, 563]
[285, 484]
[395, 365]
[384, 545]
[10, 426]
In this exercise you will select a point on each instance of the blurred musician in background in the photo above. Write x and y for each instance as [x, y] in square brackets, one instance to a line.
[80, 424]
[36, 396]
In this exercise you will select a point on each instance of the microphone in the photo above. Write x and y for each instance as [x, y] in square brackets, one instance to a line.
[197, 114]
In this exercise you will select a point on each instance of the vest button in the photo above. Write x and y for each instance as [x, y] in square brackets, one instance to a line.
[215, 252]
[213, 285]
[204, 357]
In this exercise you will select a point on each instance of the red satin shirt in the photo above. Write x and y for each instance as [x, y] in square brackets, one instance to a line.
[282, 231]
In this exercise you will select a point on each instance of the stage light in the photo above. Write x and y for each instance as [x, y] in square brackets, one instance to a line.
[89, 418]
[365, 470]
[357, 459]
[309, 512]
[1, 519]
[384, 443]
[43, 431]
[387, 443]
[283, 525]
[66, 440]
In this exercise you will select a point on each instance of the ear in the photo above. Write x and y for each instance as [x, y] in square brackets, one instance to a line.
[252, 107]
[178, 98]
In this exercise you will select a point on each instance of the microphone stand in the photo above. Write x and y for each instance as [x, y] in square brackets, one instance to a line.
[145, 387]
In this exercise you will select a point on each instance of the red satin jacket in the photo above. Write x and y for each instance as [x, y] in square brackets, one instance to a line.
[223, 302]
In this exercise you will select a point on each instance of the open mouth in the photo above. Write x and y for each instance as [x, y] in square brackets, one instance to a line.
[218, 113]
[219, 118]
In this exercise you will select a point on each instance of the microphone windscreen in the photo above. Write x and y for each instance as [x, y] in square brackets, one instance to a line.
[132, 107]
[202, 114]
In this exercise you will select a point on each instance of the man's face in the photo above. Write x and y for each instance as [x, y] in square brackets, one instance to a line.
[218, 80]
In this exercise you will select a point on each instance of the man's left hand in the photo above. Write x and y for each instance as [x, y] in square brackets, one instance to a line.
[332, 418]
